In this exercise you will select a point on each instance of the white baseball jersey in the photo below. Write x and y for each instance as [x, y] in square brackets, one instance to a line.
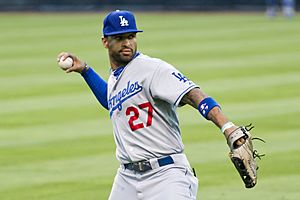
[142, 103]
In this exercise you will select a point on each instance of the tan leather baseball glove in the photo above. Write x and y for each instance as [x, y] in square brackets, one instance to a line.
[243, 156]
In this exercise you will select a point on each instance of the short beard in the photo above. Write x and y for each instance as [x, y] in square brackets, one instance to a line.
[121, 60]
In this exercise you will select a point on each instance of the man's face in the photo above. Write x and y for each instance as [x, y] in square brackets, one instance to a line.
[121, 48]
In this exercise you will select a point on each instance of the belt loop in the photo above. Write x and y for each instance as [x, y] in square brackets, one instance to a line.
[154, 163]
[122, 167]
[140, 166]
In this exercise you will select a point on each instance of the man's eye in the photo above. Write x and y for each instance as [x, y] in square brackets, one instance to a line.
[131, 36]
[117, 38]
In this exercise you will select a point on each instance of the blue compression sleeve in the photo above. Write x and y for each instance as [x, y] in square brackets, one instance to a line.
[97, 85]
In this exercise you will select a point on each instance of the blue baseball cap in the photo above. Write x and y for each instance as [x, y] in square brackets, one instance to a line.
[119, 22]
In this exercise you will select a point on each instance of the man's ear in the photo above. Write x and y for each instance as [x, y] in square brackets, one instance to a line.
[104, 42]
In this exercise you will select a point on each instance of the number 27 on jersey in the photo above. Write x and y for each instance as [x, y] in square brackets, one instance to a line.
[134, 113]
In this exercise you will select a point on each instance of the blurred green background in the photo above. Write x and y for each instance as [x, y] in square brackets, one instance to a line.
[56, 141]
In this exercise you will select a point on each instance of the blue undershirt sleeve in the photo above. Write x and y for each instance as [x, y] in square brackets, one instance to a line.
[97, 85]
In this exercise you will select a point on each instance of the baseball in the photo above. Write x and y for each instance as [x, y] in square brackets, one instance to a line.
[65, 64]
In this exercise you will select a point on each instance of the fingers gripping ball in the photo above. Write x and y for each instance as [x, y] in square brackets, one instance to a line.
[65, 64]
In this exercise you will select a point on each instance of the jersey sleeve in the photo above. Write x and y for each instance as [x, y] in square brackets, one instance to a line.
[169, 84]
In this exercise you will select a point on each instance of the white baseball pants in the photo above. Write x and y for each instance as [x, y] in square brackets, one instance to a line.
[171, 182]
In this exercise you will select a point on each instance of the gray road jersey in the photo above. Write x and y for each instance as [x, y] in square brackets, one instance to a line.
[142, 104]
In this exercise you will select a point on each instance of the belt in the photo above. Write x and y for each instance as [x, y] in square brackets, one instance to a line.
[143, 166]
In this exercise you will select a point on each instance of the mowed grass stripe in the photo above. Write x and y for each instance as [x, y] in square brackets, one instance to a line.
[268, 188]
[244, 110]
[57, 150]
[250, 110]
[267, 81]
[54, 132]
[215, 148]
[41, 103]
[63, 189]
[39, 85]
[215, 44]
[57, 170]
[227, 85]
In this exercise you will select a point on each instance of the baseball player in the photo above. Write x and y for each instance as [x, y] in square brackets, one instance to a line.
[141, 96]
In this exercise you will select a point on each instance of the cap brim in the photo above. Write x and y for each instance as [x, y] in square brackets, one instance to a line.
[123, 32]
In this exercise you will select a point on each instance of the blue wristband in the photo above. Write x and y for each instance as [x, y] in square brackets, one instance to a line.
[206, 105]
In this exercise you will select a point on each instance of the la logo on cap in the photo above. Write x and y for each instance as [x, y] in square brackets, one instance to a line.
[123, 21]
[119, 22]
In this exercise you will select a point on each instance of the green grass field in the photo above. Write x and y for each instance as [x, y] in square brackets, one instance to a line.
[56, 141]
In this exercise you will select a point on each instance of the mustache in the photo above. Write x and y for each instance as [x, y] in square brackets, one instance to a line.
[126, 48]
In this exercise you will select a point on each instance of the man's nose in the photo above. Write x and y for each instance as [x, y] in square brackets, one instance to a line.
[126, 42]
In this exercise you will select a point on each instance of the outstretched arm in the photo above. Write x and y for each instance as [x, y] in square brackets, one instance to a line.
[97, 85]
[238, 139]
[195, 97]
[94, 81]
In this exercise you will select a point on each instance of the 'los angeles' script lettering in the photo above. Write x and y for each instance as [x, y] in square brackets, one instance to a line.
[115, 101]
